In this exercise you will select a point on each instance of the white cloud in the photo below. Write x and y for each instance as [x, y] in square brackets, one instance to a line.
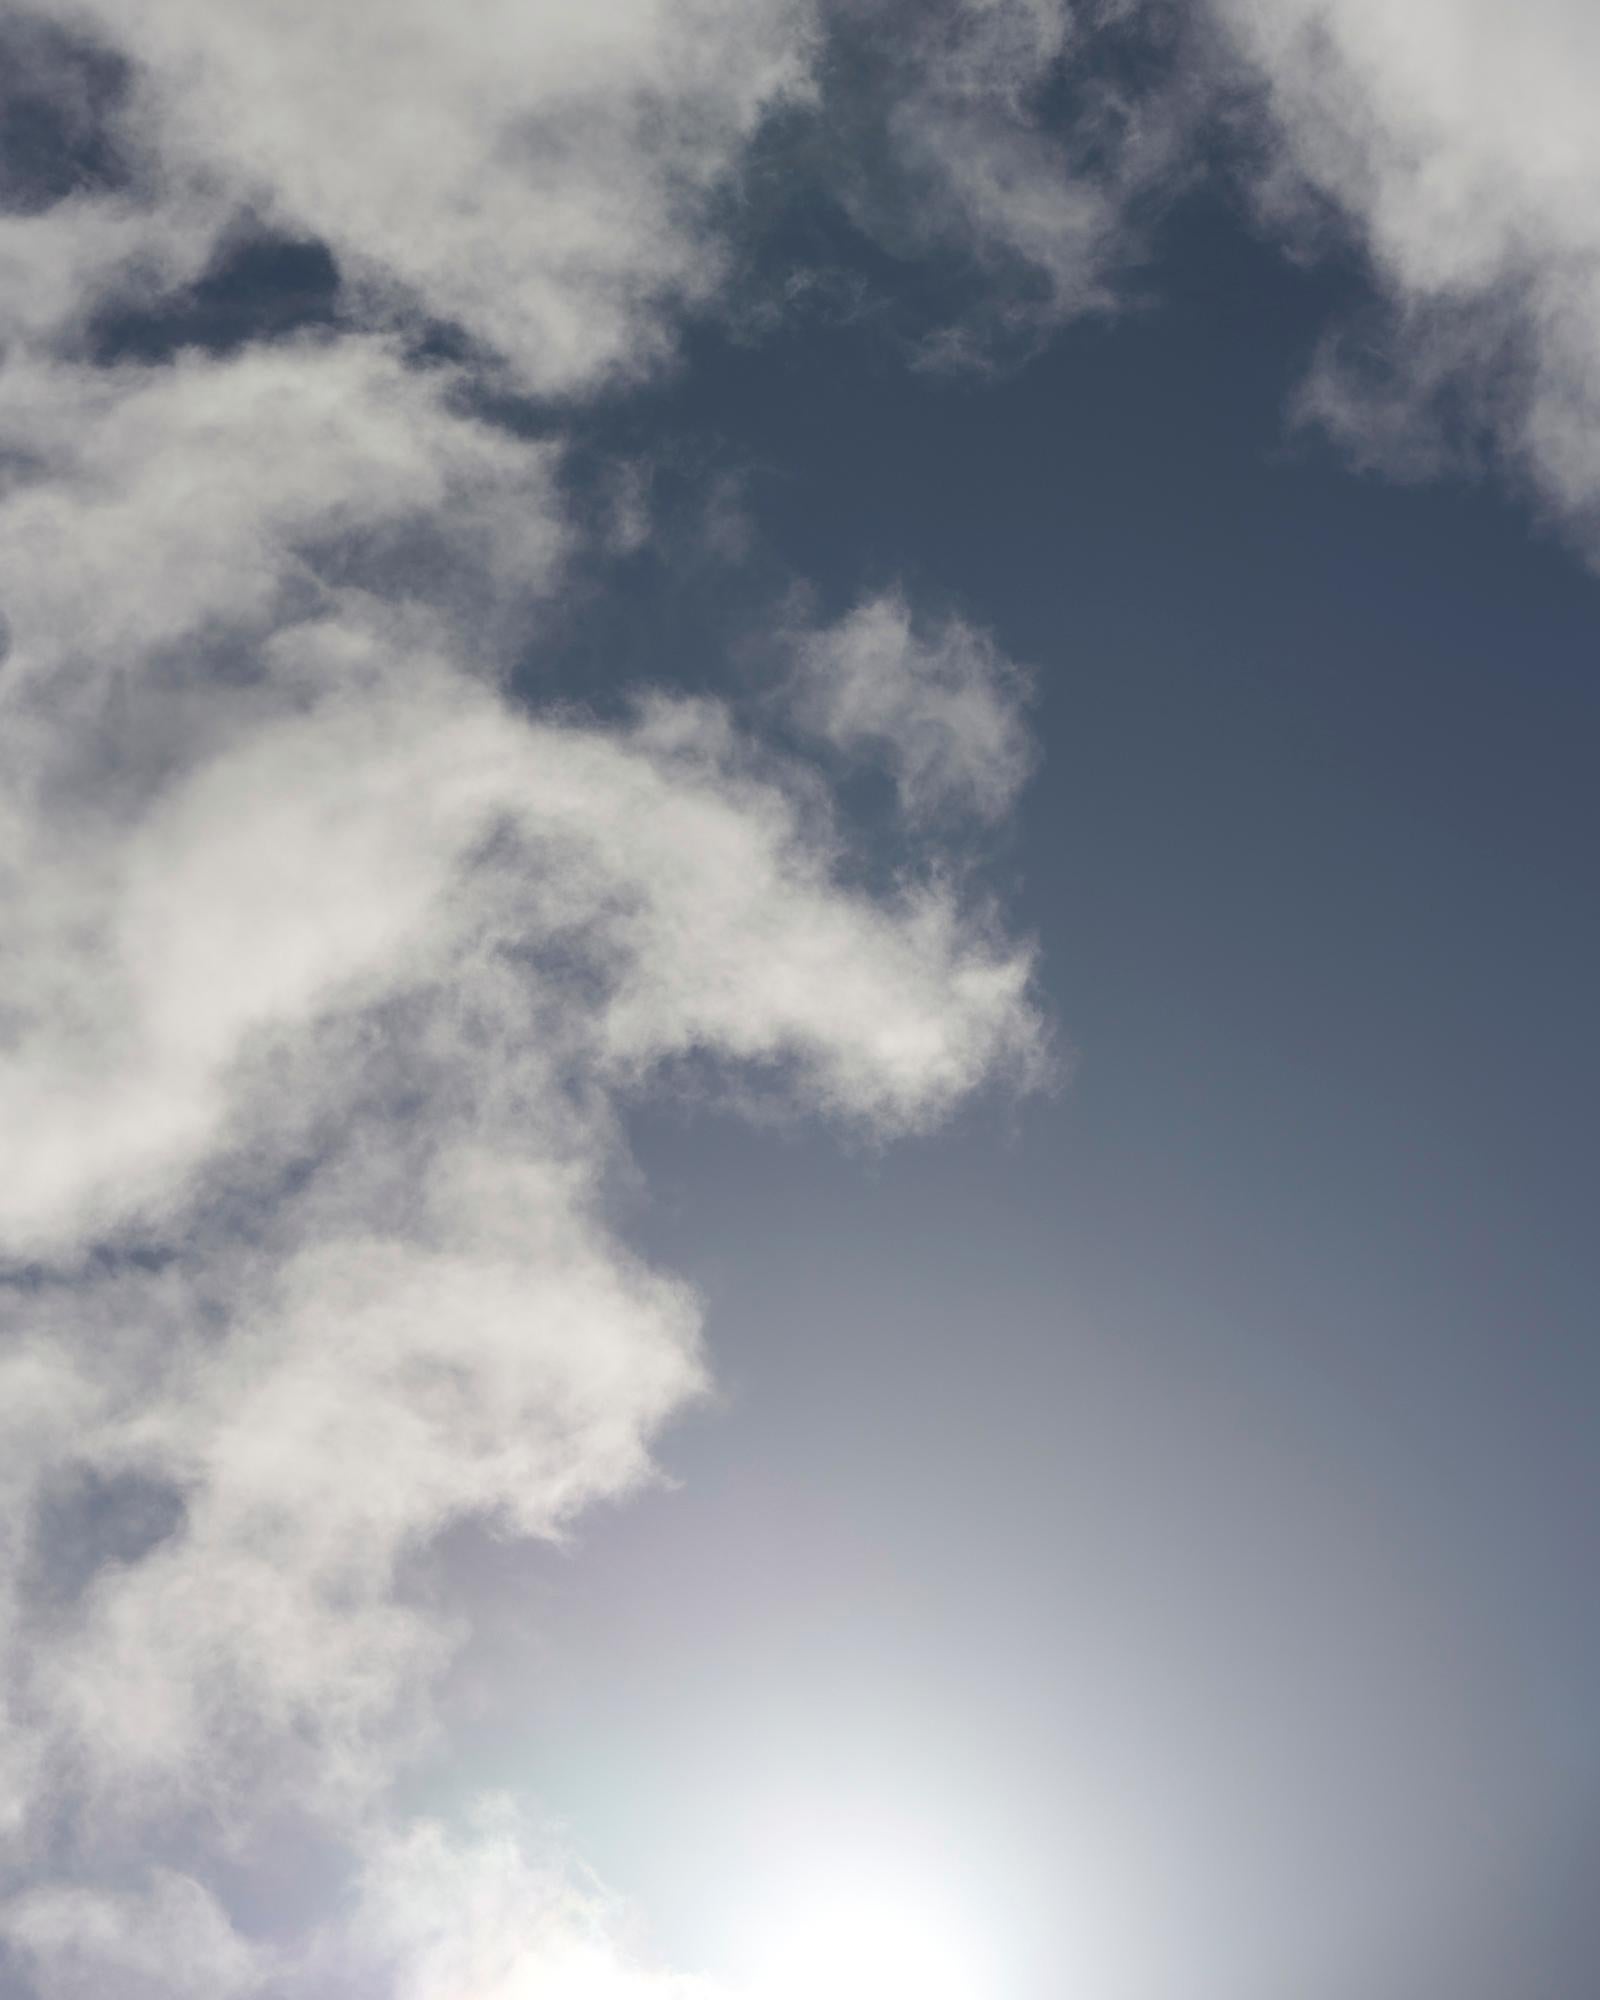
[942, 708]
[484, 1911]
[1459, 140]
[445, 1914]
[404, 947]
[536, 174]
[343, 857]
[147, 506]
[557, 181]
[334, 968]
[58, 265]
[210, 572]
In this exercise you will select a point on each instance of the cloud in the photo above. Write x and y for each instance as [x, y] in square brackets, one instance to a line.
[371, 974]
[171, 1941]
[212, 571]
[488, 1909]
[336, 966]
[994, 135]
[1457, 141]
[942, 708]
[145, 506]
[987, 134]
[482, 1911]
[537, 176]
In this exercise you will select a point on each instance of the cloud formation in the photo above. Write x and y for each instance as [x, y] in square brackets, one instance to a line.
[1000, 139]
[941, 707]
[169, 1941]
[335, 965]
[1458, 142]
[538, 177]
[441, 1914]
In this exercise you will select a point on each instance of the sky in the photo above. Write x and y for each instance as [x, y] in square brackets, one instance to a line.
[796, 1056]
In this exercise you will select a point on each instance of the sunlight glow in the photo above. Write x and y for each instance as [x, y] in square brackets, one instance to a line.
[862, 1945]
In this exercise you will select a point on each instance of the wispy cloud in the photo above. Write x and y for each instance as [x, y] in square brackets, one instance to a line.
[940, 706]
[1006, 154]
[1020, 151]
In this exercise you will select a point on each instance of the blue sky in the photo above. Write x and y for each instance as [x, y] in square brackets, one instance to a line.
[1304, 1243]
[670, 1338]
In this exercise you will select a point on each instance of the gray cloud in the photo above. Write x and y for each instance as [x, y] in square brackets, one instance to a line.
[1006, 186]
[169, 1941]
[998, 139]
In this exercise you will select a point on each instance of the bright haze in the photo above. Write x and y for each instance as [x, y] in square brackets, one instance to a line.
[797, 1074]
